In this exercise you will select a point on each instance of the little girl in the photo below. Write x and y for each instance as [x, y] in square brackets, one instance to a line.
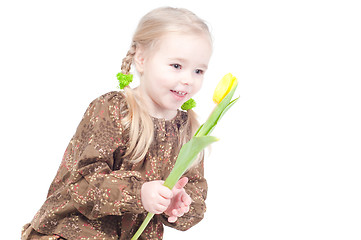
[126, 144]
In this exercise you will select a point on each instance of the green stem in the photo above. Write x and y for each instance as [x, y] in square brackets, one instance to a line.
[143, 226]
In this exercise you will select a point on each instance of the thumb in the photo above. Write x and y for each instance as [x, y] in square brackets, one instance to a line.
[181, 183]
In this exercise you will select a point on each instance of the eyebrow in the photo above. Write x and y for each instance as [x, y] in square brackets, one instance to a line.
[184, 60]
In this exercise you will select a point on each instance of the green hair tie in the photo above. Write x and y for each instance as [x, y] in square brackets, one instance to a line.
[124, 79]
[189, 104]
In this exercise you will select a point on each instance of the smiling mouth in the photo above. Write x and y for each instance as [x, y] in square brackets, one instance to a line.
[179, 93]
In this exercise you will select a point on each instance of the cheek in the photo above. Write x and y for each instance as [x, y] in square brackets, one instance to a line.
[163, 77]
[153, 79]
[197, 86]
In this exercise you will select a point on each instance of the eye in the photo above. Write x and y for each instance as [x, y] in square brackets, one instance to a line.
[176, 66]
[199, 71]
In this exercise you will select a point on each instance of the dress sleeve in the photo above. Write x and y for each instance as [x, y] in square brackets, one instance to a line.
[197, 190]
[87, 168]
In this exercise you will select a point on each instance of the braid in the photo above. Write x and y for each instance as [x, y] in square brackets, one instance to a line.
[128, 60]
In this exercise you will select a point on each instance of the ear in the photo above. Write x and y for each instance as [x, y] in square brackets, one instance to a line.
[139, 59]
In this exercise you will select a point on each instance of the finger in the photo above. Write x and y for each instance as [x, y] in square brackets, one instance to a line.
[180, 205]
[172, 219]
[186, 199]
[165, 192]
[175, 212]
[181, 183]
[179, 215]
[164, 201]
[160, 208]
[179, 212]
[155, 211]
[186, 209]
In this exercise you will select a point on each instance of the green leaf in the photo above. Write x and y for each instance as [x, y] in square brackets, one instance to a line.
[222, 113]
[198, 130]
[186, 157]
[212, 120]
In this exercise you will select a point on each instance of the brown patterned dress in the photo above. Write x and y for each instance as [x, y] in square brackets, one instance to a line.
[96, 193]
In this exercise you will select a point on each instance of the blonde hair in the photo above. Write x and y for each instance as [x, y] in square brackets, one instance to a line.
[150, 29]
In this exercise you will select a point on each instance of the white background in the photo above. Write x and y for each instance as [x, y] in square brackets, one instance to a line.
[288, 163]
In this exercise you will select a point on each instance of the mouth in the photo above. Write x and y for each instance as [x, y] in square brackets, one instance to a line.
[179, 93]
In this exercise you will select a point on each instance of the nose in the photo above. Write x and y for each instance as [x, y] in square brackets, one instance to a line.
[187, 79]
[185, 82]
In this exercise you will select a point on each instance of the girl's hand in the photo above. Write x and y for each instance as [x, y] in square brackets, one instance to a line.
[180, 202]
[155, 197]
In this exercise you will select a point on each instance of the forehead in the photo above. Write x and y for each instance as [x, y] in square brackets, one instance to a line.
[191, 47]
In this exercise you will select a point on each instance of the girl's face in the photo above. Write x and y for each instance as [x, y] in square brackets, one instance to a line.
[173, 72]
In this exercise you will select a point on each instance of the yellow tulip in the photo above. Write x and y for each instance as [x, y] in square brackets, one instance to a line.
[224, 86]
[189, 151]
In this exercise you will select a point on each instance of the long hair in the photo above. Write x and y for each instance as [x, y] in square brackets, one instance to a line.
[150, 29]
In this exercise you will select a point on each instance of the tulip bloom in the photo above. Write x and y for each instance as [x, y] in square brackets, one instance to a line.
[224, 87]
[189, 151]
